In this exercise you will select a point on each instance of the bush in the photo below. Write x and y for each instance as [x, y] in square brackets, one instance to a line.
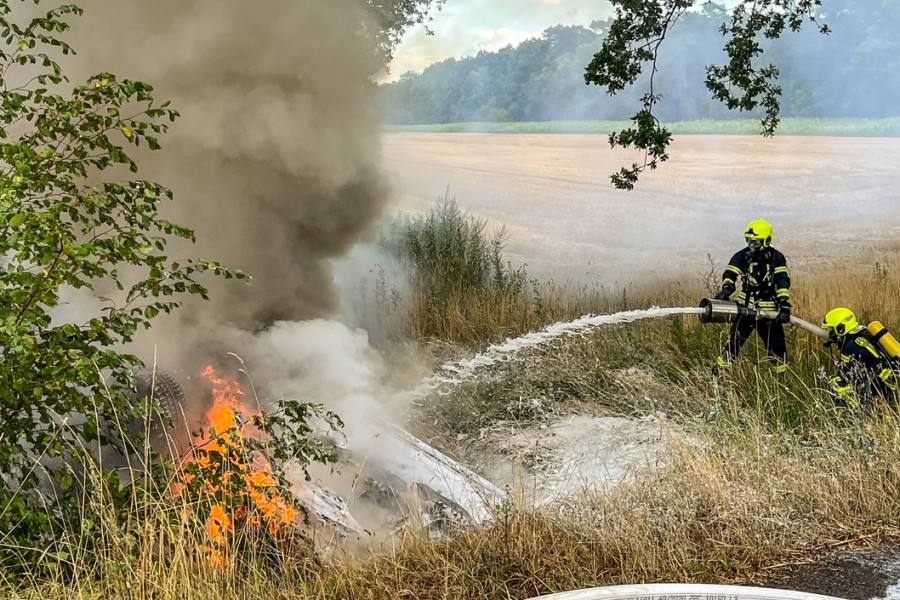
[67, 224]
[456, 269]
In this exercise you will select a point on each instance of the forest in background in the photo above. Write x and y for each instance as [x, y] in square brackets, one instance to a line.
[854, 72]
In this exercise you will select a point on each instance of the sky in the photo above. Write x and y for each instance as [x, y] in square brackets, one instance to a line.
[463, 27]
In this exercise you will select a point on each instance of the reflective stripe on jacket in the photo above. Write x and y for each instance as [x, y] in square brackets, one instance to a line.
[765, 280]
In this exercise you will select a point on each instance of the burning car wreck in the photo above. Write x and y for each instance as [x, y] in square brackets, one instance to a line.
[389, 481]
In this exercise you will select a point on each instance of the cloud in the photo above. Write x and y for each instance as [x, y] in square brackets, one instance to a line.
[465, 27]
[411, 62]
[421, 51]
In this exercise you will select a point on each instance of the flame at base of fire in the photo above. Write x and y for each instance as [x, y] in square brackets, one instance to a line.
[233, 484]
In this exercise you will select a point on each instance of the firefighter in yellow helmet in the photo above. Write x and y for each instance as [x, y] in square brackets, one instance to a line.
[865, 370]
[765, 285]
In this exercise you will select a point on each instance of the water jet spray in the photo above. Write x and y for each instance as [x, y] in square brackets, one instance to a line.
[456, 372]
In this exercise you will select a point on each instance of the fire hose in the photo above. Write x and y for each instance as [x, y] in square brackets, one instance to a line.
[727, 311]
[683, 591]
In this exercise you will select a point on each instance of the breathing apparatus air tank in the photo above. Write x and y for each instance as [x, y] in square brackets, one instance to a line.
[885, 340]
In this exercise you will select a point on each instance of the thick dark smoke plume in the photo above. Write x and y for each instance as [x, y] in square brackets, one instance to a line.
[275, 161]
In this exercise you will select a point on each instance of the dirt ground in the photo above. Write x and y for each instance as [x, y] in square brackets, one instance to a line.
[826, 198]
[858, 574]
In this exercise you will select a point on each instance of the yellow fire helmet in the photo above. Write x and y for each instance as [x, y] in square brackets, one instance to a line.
[840, 320]
[758, 234]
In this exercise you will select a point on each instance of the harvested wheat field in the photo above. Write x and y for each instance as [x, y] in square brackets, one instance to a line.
[826, 197]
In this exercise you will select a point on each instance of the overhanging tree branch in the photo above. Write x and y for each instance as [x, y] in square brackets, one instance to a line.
[635, 38]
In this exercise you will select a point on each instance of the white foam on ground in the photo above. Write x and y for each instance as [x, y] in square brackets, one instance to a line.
[893, 592]
[550, 462]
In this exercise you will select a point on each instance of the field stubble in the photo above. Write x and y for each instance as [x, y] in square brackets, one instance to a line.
[827, 198]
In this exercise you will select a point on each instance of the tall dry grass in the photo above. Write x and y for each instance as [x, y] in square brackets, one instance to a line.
[725, 509]
[461, 289]
[142, 531]
[719, 514]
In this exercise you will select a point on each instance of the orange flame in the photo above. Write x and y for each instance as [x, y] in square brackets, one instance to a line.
[256, 502]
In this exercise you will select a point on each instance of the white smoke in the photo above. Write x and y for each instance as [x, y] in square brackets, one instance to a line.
[319, 361]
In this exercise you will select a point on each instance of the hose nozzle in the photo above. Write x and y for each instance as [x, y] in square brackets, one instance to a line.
[723, 311]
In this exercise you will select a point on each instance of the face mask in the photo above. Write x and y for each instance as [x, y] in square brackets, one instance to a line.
[754, 244]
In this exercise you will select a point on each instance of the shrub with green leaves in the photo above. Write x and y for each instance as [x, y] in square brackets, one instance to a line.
[68, 222]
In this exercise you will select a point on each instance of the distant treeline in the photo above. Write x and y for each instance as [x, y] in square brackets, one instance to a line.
[852, 73]
[832, 127]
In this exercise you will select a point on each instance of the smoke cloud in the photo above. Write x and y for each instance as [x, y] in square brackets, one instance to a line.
[275, 161]
[276, 166]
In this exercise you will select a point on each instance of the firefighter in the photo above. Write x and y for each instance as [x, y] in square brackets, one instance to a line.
[866, 369]
[765, 285]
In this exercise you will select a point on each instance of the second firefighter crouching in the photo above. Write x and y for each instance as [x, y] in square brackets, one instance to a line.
[869, 359]
[765, 285]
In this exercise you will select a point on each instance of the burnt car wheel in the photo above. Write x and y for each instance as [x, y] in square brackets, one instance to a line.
[163, 389]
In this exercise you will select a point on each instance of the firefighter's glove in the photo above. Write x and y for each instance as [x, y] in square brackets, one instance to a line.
[726, 292]
[784, 315]
[784, 312]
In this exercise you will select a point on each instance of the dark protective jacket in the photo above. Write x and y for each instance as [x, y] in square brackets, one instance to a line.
[865, 370]
[765, 282]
